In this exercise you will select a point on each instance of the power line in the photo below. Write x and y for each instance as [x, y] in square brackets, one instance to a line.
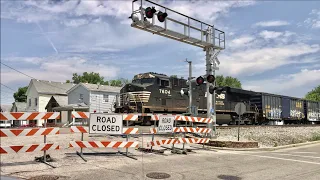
[8, 87]
[31, 76]
[18, 71]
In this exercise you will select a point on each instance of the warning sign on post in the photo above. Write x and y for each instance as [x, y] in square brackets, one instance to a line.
[105, 124]
[165, 124]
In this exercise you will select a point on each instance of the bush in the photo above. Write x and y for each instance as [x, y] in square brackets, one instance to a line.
[315, 137]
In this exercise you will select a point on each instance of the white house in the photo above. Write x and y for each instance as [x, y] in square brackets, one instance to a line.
[5, 108]
[39, 93]
[18, 107]
[99, 98]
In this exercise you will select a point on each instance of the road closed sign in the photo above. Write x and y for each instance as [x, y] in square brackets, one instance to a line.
[165, 124]
[105, 124]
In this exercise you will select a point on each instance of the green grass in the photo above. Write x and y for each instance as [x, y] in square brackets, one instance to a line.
[315, 137]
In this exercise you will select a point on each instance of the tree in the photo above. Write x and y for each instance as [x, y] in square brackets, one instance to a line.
[228, 81]
[95, 78]
[314, 94]
[20, 95]
[86, 77]
[174, 76]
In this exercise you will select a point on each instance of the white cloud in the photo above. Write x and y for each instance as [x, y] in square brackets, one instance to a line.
[296, 84]
[56, 69]
[257, 60]
[241, 41]
[272, 23]
[31, 60]
[90, 25]
[314, 20]
[270, 34]
[75, 22]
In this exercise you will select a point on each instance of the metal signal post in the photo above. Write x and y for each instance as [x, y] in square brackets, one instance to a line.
[190, 85]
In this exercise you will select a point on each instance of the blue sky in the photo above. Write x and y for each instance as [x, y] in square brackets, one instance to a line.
[271, 46]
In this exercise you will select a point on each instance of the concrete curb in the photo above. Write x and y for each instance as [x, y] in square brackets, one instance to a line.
[266, 148]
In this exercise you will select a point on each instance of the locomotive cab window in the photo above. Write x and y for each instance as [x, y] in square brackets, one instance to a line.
[163, 82]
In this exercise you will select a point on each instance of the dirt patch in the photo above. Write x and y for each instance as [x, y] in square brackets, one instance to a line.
[233, 144]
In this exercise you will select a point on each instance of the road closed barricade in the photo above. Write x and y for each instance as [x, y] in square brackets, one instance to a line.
[167, 125]
[107, 124]
[30, 133]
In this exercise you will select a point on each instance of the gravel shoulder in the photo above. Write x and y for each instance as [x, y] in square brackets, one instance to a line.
[271, 136]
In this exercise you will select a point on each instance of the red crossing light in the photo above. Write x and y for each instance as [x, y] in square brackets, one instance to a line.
[161, 16]
[149, 12]
[199, 80]
[210, 78]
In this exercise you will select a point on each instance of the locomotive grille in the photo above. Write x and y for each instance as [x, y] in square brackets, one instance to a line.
[135, 97]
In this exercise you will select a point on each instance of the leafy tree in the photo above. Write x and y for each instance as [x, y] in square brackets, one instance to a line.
[86, 77]
[228, 81]
[314, 94]
[20, 95]
[95, 78]
[115, 83]
[174, 76]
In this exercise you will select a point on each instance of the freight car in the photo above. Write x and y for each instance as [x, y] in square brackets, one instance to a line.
[311, 112]
[158, 93]
[279, 110]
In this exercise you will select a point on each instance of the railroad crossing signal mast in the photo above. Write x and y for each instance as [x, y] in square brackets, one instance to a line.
[195, 32]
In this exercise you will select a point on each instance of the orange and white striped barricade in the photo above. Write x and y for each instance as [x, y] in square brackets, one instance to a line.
[175, 130]
[30, 132]
[80, 115]
[104, 144]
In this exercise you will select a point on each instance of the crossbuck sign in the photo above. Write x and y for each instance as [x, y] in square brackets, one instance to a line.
[105, 124]
[165, 124]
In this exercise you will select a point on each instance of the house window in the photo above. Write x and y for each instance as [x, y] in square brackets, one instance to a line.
[29, 102]
[81, 97]
[105, 98]
[36, 101]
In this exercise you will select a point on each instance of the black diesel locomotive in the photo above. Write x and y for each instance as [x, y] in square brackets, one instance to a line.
[158, 93]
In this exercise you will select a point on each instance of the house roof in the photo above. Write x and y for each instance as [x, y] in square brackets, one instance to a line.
[21, 106]
[95, 87]
[70, 107]
[61, 100]
[50, 87]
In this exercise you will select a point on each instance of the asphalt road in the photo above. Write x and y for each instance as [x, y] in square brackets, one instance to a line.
[294, 163]
[297, 163]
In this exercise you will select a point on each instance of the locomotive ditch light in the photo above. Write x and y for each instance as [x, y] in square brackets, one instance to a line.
[210, 78]
[162, 16]
[199, 80]
[150, 12]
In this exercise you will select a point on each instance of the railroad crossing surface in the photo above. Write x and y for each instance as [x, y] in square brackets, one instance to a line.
[294, 163]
